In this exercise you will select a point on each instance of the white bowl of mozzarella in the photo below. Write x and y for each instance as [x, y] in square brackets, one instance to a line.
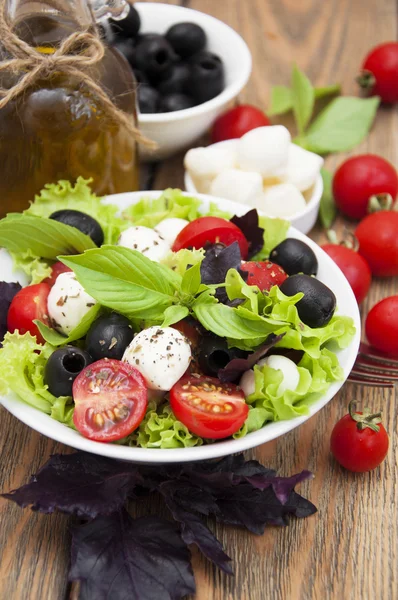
[263, 170]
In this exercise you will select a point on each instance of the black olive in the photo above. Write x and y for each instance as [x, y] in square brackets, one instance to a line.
[213, 354]
[317, 306]
[177, 81]
[155, 57]
[140, 77]
[174, 102]
[294, 256]
[186, 38]
[207, 76]
[81, 221]
[127, 27]
[108, 337]
[126, 47]
[148, 99]
[62, 368]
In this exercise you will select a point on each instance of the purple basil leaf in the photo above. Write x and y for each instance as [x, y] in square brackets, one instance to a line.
[216, 264]
[237, 366]
[79, 484]
[254, 234]
[117, 557]
[7, 293]
[282, 486]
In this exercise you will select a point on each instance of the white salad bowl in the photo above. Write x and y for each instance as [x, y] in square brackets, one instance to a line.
[178, 130]
[328, 272]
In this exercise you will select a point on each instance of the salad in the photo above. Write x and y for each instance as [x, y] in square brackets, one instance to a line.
[163, 327]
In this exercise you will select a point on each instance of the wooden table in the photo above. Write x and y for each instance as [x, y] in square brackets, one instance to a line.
[349, 549]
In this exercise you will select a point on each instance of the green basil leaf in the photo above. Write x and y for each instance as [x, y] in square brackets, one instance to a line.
[230, 322]
[328, 90]
[125, 281]
[341, 126]
[44, 238]
[55, 338]
[191, 280]
[281, 100]
[173, 314]
[303, 98]
[327, 208]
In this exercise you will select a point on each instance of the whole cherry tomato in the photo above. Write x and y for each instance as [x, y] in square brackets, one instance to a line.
[380, 72]
[382, 326]
[28, 305]
[56, 270]
[359, 441]
[238, 121]
[264, 274]
[210, 230]
[354, 267]
[377, 235]
[358, 179]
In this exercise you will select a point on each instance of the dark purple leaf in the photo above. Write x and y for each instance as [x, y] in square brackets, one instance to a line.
[216, 264]
[282, 486]
[237, 366]
[117, 558]
[7, 293]
[79, 484]
[254, 234]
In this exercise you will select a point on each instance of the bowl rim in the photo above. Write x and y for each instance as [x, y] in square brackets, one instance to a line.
[61, 433]
[230, 91]
[311, 204]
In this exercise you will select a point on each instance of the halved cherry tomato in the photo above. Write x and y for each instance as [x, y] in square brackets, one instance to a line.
[56, 270]
[264, 274]
[110, 400]
[28, 305]
[210, 229]
[208, 408]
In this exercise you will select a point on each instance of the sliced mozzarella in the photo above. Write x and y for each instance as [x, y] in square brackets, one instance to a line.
[283, 200]
[290, 372]
[145, 240]
[161, 354]
[206, 163]
[168, 229]
[8, 274]
[240, 186]
[303, 167]
[265, 150]
[68, 303]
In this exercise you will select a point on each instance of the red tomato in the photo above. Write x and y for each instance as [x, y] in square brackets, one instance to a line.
[380, 72]
[358, 179]
[359, 442]
[382, 325]
[28, 305]
[377, 235]
[208, 408]
[238, 121]
[110, 400]
[264, 274]
[190, 328]
[354, 267]
[210, 229]
[56, 270]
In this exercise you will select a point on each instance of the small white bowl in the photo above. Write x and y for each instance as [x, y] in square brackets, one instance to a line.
[178, 130]
[328, 272]
[304, 221]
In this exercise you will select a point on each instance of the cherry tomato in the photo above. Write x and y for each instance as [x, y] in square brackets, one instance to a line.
[380, 72]
[56, 270]
[354, 267]
[264, 274]
[358, 179]
[377, 235]
[110, 400]
[28, 305]
[208, 408]
[382, 325]
[191, 329]
[210, 229]
[359, 441]
[238, 121]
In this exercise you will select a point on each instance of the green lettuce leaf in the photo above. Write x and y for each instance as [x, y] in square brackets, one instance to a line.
[275, 231]
[181, 260]
[36, 268]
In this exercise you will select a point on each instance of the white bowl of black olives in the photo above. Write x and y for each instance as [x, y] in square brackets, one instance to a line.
[189, 66]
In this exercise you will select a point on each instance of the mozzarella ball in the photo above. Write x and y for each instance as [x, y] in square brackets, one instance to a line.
[265, 150]
[168, 229]
[303, 167]
[290, 372]
[206, 163]
[8, 273]
[67, 303]
[145, 240]
[247, 383]
[161, 354]
[282, 200]
[240, 186]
